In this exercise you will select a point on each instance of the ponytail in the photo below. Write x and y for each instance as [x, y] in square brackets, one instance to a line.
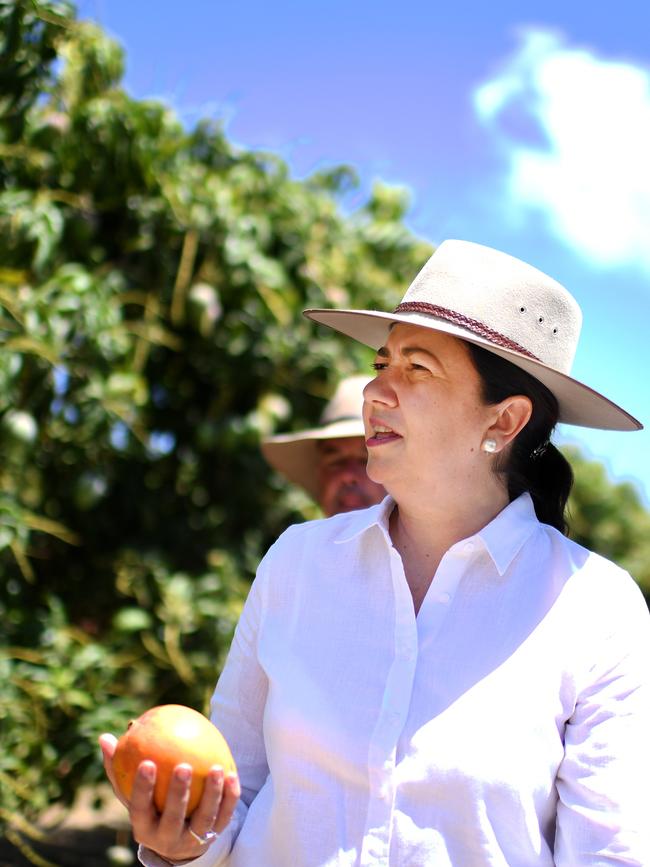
[532, 463]
[547, 476]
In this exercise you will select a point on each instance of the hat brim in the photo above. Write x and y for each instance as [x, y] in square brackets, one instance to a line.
[578, 403]
[295, 455]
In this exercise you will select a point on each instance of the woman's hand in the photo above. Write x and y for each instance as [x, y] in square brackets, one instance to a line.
[168, 833]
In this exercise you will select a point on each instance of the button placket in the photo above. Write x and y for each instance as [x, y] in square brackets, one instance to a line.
[390, 722]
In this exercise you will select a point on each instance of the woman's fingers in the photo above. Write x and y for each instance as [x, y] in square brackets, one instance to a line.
[108, 742]
[169, 833]
[231, 794]
[172, 819]
[204, 817]
[141, 805]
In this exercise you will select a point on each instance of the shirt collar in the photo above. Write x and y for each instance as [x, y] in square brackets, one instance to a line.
[359, 521]
[503, 537]
[506, 534]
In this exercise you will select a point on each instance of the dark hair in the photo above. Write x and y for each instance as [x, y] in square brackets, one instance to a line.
[531, 463]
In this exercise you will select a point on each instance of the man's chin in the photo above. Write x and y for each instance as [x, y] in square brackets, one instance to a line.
[350, 502]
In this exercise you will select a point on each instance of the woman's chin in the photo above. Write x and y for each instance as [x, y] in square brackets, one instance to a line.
[381, 472]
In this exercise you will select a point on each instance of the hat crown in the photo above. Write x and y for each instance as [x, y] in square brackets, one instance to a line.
[347, 401]
[503, 298]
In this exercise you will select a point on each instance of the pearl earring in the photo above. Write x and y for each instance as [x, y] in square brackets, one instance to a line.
[489, 445]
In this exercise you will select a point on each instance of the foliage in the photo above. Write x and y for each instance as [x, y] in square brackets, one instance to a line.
[609, 518]
[151, 283]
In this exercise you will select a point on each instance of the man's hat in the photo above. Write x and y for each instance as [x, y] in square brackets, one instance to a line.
[295, 455]
[503, 305]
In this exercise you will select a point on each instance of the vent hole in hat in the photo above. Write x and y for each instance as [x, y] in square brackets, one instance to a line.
[522, 309]
[541, 318]
[555, 331]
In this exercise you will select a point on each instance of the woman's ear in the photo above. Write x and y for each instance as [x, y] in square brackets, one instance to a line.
[512, 414]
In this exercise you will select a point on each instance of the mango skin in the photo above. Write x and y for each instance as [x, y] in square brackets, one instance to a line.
[171, 734]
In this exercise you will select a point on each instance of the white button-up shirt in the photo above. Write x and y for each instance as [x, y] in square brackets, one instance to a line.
[506, 725]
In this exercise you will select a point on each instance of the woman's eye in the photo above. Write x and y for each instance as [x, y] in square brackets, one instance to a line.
[379, 365]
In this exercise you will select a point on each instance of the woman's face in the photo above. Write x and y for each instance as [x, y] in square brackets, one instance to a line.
[424, 415]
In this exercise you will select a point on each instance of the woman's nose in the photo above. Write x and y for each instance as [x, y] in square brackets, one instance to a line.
[380, 390]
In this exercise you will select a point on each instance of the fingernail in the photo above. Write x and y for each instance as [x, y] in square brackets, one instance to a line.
[183, 774]
[148, 772]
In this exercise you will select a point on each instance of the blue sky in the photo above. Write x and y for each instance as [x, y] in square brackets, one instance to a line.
[522, 126]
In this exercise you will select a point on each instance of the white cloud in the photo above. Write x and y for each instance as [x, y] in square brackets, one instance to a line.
[588, 169]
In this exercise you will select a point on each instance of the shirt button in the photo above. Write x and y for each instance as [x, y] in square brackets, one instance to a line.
[444, 598]
[468, 547]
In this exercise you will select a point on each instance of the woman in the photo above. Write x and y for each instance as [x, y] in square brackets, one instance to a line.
[444, 678]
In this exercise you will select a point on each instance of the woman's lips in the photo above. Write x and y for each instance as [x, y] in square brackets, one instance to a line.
[381, 434]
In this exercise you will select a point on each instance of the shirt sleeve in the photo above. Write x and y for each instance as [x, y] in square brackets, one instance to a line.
[239, 700]
[603, 779]
[237, 709]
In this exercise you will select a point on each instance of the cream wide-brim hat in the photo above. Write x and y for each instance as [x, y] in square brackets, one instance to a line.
[295, 455]
[504, 305]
